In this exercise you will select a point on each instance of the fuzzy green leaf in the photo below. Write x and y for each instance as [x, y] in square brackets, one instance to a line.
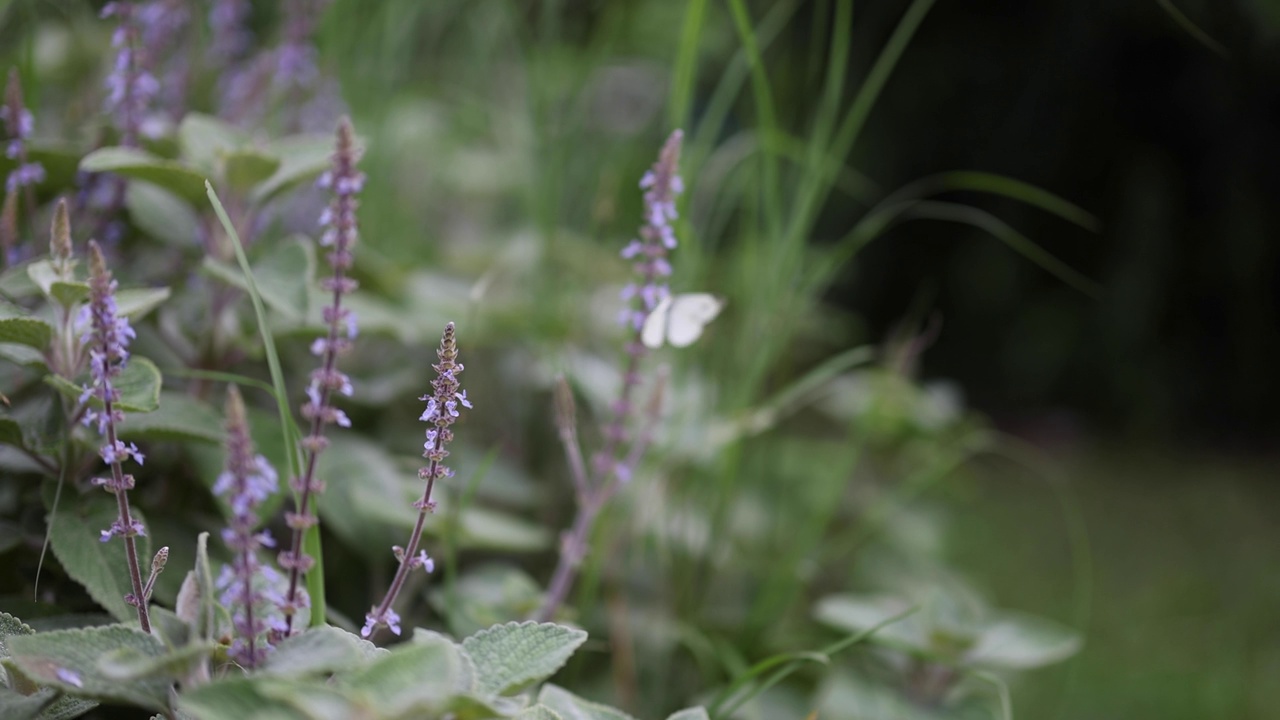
[178, 417]
[1021, 642]
[572, 707]
[539, 712]
[512, 656]
[284, 276]
[162, 215]
[693, 713]
[139, 386]
[244, 168]
[203, 139]
[100, 567]
[269, 699]
[135, 303]
[21, 354]
[302, 157]
[52, 285]
[319, 650]
[10, 625]
[128, 665]
[427, 674]
[68, 660]
[16, 326]
[15, 283]
[182, 180]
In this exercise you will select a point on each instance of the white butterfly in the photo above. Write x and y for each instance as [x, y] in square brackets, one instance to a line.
[678, 320]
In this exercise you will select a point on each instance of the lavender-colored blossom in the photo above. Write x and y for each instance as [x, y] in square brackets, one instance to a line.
[340, 236]
[107, 337]
[19, 124]
[229, 21]
[614, 463]
[131, 88]
[162, 30]
[661, 185]
[246, 584]
[442, 411]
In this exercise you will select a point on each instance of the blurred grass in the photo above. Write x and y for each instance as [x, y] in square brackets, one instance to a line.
[1186, 582]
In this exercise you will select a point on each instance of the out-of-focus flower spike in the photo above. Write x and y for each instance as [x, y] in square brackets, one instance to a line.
[340, 236]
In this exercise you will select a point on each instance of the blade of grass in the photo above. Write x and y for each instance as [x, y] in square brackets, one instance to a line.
[685, 69]
[996, 184]
[808, 203]
[767, 123]
[311, 540]
[792, 662]
[1191, 28]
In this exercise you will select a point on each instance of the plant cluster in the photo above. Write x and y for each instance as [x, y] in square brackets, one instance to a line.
[202, 192]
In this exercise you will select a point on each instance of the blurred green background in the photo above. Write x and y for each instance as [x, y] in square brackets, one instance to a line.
[1123, 479]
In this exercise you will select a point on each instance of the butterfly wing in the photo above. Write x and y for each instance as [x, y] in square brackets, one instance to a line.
[688, 315]
[654, 329]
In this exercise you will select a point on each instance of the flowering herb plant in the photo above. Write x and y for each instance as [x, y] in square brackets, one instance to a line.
[208, 433]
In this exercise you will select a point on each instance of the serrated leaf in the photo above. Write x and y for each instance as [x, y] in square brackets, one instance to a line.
[100, 567]
[572, 707]
[68, 661]
[539, 712]
[284, 276]
[693, 713]
[244, 168]
[178, 417]
[512, 656]
[323, 649]
[302, 157]
[182, 180]
[203, 138]
[139, 385]
[16, 326]
[428, 673]
[10, 625]
[160, 214]
[134, 303]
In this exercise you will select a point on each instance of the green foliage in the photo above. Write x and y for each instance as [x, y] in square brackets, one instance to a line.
[74, 534]
[139, 385]
[511, 656]
[83, 662]
[16, 326]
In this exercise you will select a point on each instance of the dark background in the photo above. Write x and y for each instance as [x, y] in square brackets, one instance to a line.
[1117, 108]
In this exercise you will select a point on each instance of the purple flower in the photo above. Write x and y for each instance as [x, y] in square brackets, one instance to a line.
[107, 339]
[19, 124]
[228, 20]
[247, 481]
[340, 235]
[441, 412]
[131, 88]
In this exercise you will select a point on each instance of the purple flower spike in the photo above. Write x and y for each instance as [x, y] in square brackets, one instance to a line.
[247, 481]
[131, 88]
[441, 412]
[18, 126]
[340, 237]
[229, 21]
[107, 338]
[661, 185]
